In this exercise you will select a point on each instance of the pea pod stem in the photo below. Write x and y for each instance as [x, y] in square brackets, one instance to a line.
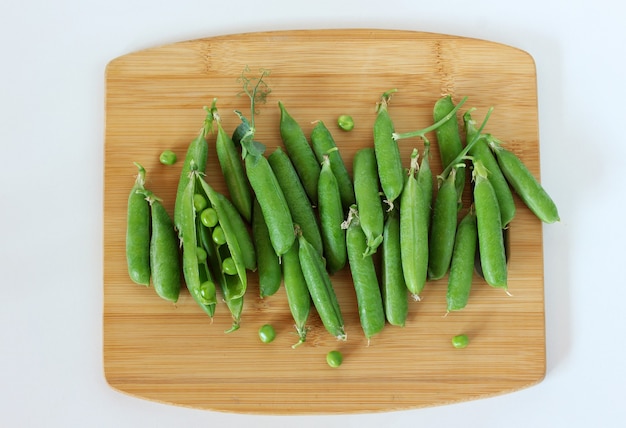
[422, 132]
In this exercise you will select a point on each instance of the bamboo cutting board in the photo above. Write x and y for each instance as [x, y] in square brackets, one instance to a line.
[175, 354]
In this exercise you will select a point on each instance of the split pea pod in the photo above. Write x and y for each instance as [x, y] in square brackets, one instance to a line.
[300, 152]
[366, 191]
[443, 227]
[231, 165]
[138, 231]
[489, 224]
[462, 265]
[414, 219]
[268, 263]
[387, 152]
[164, 255]
[197, 154]
[298, 296]
[298, 202]
[331, 219]
[320, 288]
[524, 183]
[324, 144]
[272, 202]
[449, 137]
[366, 286]
[480, 151]
[393, 287]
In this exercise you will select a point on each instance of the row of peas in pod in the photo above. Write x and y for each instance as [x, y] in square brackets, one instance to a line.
[296, 216]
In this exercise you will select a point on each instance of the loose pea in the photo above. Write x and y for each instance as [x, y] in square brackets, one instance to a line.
[138, 232]
[345, 122]
[199, 202]
[300, 152]
[460, 341]
[229, 267]
[168, 157]
[489, 223]
[387, 152]
[208, 217]
[267, 333]
[334, 358]
[218, 235]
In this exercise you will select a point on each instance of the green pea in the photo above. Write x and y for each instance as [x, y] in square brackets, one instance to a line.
[208, 217]
[229, 267]
[168, 157]
[460, 341]
[199, 202]
[138, 232]
[218, 235]
[267, 333]
[334, 358]
[345, 122]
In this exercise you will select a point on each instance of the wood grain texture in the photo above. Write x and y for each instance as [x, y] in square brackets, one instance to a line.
[175, 354]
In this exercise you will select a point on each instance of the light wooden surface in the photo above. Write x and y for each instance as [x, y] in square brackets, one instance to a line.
[175, 354]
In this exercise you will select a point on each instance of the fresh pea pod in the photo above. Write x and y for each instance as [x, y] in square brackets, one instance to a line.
[298, 296]
[449, 137]
[324, 144]
[331, 219]
[489, 224]
[197, 155]
[462, 264]
[138, 231]
[366, 286]
[414, 219]
[393, 287]
[272, 202]
[443, 227]
[300, 152]
[320, 288]
[164, 255]
[299, 204]
[480, 151]
[387, 152]
[524, 183]
[366, 191]
[268, 263]
[234, 175]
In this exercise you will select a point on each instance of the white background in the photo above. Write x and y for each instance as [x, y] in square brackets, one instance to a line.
[53, 55]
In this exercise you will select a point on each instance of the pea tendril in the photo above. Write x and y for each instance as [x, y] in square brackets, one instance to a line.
[422, 132]
[257, 90]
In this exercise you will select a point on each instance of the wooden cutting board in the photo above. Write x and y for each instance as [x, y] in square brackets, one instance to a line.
[175, 354]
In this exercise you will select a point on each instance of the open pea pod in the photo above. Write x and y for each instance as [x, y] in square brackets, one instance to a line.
[234, 286]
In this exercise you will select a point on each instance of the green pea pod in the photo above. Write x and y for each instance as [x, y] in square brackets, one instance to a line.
[480, 151]
[298, 202]
[197, 155]
[414, 218]
[232, 169]
[393, 286]
[462, 264]
[443, 227]
[331, 219]
[489, 224]
[366, 190]
[268, 263]
[449, 137]
[320, 288]
[164, 255]
[239, 230]
[272, 202]
[387, 152]
[324, 144]
[366, 286]
[524, 183]
[425, 181]
[300, 152]
[298, 296]
[138, 231]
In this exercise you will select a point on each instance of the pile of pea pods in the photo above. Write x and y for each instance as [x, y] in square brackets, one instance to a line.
[296, 216]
